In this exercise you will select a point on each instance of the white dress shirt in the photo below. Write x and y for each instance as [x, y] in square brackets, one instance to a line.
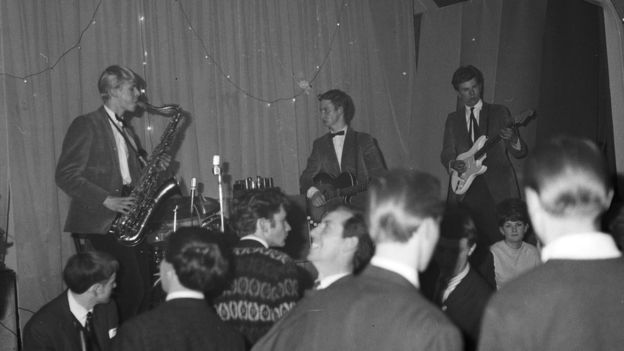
[122, 148]
[581, 246]
[401, 269]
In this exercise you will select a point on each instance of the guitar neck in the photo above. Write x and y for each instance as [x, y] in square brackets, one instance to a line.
[349, 191]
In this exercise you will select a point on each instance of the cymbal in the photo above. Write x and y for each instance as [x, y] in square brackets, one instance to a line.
[164, 212]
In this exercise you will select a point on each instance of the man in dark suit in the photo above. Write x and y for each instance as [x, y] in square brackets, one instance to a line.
[573, 301]
[266, 283]
[194, 265]
[461, 291]
[475, 118]
[341, 150]
[83, 317]
[99, 163]
[380, 309]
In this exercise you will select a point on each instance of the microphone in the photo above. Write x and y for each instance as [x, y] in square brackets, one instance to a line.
[216, 170]
[193, 189]
[216, 165]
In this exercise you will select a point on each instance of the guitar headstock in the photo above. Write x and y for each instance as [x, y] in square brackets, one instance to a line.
[524, 117]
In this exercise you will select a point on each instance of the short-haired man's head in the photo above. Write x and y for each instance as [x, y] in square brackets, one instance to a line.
[399, 201]
[340, 99]
[87, 268]
[198, 257]
[113, 77]
[512, 210]
[253, 205]
[466, 73]
[570, 176]
[355, 227]
[457, 224]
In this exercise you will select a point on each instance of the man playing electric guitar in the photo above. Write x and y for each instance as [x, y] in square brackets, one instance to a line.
[342, 150]
[463, 128]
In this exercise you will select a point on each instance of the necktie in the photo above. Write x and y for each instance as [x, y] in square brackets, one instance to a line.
[342, 132]
[92, 344]
[474, 131]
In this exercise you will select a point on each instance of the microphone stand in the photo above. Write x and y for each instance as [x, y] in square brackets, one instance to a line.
[193, 187]
[216, 170]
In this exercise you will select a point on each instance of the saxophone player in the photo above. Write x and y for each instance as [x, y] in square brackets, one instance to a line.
[100, 161]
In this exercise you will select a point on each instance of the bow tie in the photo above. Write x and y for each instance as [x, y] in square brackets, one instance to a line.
[342, 132]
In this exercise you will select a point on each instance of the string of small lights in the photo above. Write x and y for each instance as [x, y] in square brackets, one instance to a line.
[304, 85]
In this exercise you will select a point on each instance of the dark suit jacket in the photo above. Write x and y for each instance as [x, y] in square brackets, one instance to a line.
[377, 310]
[360, 156]
[178, 324]
[54, 327]
[88, 171]
[466, 304]
[559, 305]
[500, 176]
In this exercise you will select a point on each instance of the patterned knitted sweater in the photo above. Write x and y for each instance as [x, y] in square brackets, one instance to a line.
[266, 285]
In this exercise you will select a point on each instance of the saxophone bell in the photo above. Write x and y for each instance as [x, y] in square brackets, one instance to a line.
[164, 110]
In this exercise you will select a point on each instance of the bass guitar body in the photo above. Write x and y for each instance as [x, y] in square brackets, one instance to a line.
[460, 182]
[336, 190]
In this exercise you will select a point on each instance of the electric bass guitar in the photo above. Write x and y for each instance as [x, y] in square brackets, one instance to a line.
[336, 190]
[473, 158]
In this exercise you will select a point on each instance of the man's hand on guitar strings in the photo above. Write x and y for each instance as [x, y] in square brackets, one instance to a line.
[458, 165]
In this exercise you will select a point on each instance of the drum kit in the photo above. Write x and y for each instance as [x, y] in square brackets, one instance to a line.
[195, 210]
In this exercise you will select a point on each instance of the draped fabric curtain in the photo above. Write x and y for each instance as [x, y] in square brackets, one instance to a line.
[248, 73]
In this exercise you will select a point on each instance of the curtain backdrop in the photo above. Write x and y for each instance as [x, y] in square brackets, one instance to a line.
[248, 72]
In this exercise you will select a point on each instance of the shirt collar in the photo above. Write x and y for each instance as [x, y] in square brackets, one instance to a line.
[113, 117]
[77, 309]
[477, 107]
[330, 279]
[185, 294]
[256, 238]
[399, 268]
[339, 130]
[581, 246]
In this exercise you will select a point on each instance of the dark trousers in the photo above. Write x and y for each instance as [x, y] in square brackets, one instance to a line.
[134, 280]
[482, 206]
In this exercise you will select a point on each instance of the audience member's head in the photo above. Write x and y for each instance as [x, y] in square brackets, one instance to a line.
[404, 209]
[112, 78]
[340, 243]
[513, 221]
[457, 242]
[263, 214]
[340, 100]
[195, 259]
[93, 273]
[566, 184]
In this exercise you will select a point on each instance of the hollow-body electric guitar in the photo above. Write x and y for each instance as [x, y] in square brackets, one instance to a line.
[336, 190]
[473, 158]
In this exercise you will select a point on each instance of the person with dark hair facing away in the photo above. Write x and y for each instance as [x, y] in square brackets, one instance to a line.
[266, 283]
[573, 301]
[341, 154]
[462, 292]
[475, 118]
[99, 164]
[511, 256]
[83, 317]
[194, 267]
[380, 308]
